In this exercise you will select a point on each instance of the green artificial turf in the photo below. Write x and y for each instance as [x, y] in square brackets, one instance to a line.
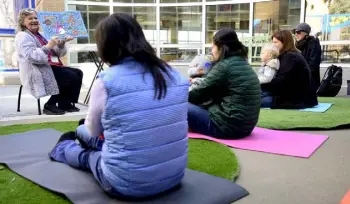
[212, 158]
[337, 115]
[204, 156]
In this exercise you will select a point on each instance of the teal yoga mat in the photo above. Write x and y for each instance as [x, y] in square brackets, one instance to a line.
[320, 108]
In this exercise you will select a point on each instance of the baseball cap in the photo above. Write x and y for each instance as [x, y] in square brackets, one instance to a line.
[303, 27]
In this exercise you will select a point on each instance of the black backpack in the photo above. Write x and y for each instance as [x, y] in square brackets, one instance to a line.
[331, 82]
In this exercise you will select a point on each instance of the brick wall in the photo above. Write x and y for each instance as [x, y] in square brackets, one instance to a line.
[51, 5]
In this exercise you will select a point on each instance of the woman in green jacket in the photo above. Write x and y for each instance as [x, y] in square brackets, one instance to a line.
[232, 86]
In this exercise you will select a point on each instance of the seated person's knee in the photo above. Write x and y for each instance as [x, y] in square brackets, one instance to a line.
[80, 73]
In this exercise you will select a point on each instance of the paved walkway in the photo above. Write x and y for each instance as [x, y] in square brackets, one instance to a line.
[324, 178]
[29, 108]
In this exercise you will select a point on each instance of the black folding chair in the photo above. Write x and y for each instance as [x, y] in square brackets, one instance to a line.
[19, 101]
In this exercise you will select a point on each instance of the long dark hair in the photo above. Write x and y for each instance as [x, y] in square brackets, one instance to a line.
[227, 41]
[286, 38]
[119, 36]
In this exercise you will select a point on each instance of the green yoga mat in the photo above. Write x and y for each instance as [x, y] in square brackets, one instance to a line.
[203, 157]
[336, 117]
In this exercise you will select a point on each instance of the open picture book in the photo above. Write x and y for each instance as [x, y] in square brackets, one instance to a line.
[62, 24]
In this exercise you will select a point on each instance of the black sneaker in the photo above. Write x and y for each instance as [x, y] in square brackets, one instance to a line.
[66, 136]
[71, 108]
[81, 121]
[52, 110]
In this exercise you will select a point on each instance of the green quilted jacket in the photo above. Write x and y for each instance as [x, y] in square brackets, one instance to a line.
[235, 90]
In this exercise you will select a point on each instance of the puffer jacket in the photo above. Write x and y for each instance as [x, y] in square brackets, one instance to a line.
[145, 148]
[235, 90]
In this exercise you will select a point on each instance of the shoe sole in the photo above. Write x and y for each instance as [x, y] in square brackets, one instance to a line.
[71, 110]
[47, 112]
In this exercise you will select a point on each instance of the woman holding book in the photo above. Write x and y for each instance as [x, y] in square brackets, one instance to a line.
[41, 69]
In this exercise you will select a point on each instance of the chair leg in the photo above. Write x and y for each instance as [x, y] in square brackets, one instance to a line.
[39, 108]
[19, 99]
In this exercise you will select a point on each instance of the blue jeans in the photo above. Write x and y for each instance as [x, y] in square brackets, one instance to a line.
[265, 93]
[87, 141]
[200, 122]
[89, 159]
[266, 102]
[266, 99]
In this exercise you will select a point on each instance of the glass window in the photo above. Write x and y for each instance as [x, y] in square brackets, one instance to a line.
[123, 9]
[80, 57]
[273, 15]
[219, 0]
[84, 57]
[235, 16]
[146, 16]
[91, 16]
[181, 25]
[179, 1]
[134, 1]
[92, 36]
[96, 14]
[266, 17]
[179, 54]
[7, 46]
[291, 12]
[336, 54]
[94, 0]
[208, 50]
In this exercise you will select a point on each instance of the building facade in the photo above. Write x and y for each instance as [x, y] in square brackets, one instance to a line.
[180, 29]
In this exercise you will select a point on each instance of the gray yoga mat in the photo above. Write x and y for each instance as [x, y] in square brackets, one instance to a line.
[26, 154]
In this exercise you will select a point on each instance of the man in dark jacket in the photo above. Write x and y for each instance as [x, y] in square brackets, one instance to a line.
[311, 50]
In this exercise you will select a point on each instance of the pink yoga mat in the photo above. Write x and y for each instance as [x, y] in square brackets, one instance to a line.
[274, 141]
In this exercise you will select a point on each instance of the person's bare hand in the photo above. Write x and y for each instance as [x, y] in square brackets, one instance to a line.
[52, 43]
[63, 41]
[60, 42]
[68, 38]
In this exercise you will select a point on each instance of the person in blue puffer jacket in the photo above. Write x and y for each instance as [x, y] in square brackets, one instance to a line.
[139, 105]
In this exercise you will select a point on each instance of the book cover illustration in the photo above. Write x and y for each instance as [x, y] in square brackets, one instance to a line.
[62, 24]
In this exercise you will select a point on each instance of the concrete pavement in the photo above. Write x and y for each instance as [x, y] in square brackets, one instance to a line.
[324, 178]
[29, 108]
